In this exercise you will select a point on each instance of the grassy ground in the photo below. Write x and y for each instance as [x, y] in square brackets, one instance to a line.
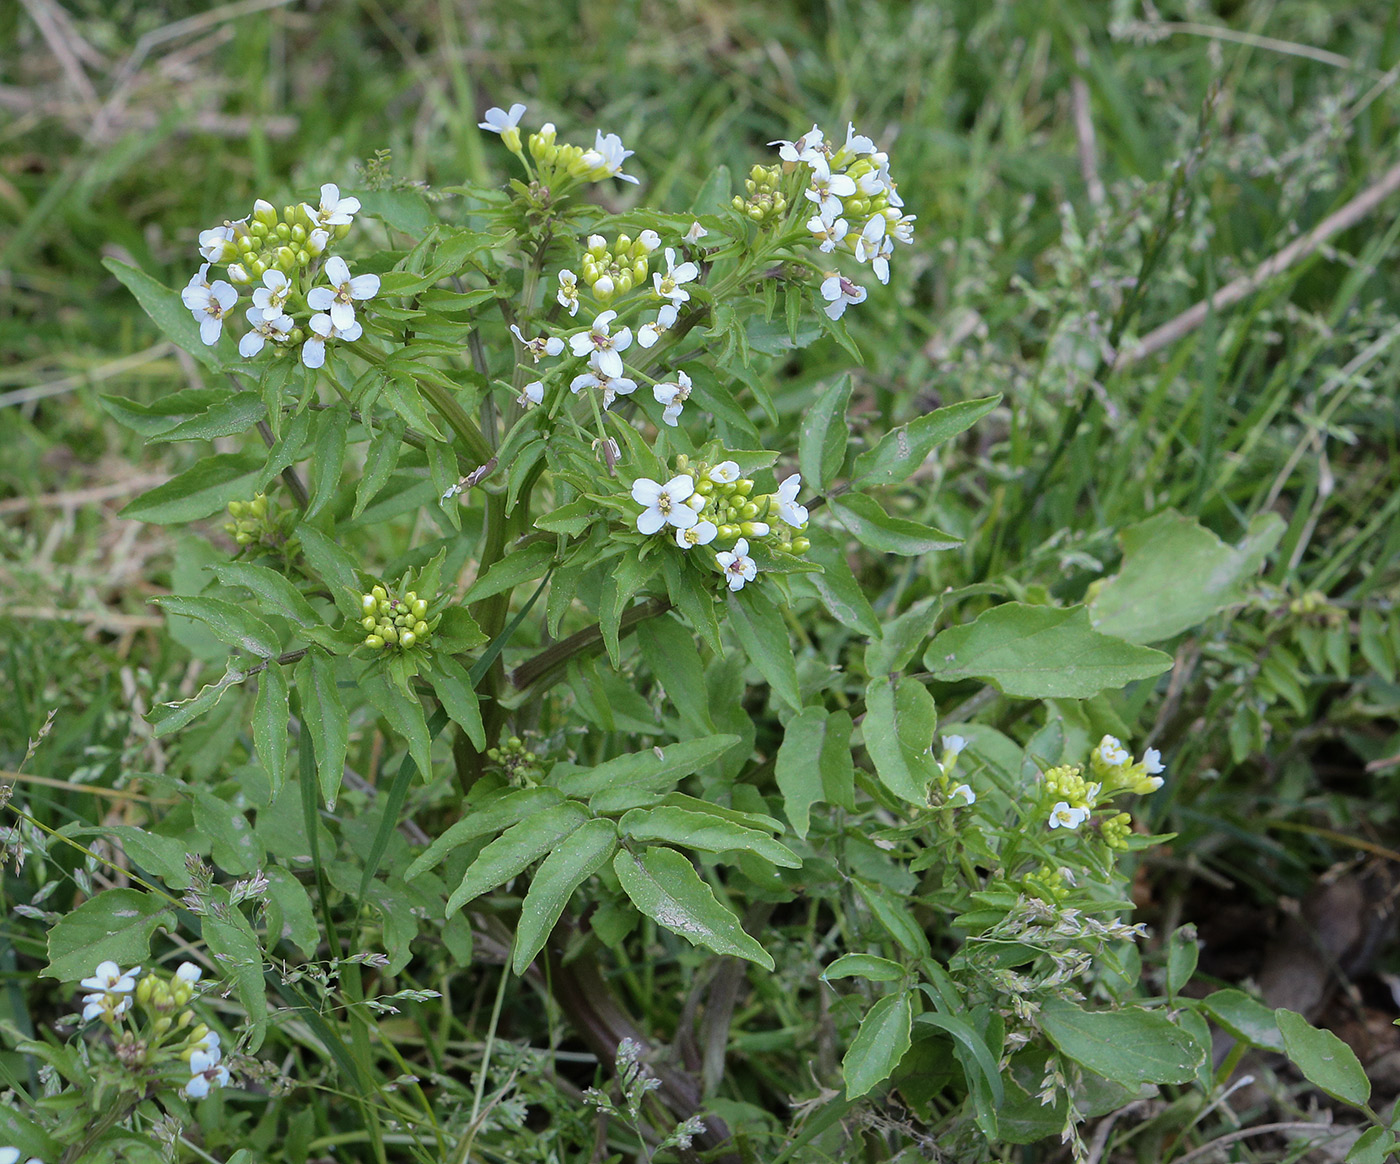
[1084, 173]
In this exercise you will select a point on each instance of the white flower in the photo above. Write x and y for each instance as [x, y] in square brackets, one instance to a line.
[532, 394]
[603, 349]
[738, 567]
[869, 184]
[216, 243]
[199, 279]
[673, 396]
[827, 189]
[606, 157]
[903, 228]
[695, 233]
[857, 143]
[830, 233]
[668, 286]
[338, 297]
[264, 329]
[206, 1069]
[209, 304]
[664, 504]
[94, 1006]
[335, 210]
[112, 979]
[786, 497]
[702, 533]
[880, 264]
[650, 240]
[498, 120]
[272, 295]
[612, 386]
[313, 351]
[317, 241]
[839, 291]
[550, 345]
[11, 1156]
[1112, 753]
[649, 333]
[1152, 762]
[725, 473]
[189, 972]
[954, 745]
[871, 236]
[964, 793]
[806, 148]
[1064, 817]
[568, 291]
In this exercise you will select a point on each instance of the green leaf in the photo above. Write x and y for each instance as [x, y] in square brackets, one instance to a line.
[150, 418]
[385, 443]
[1373, 1146]
[902, 450]
[200, 491]
[323, 714]
[798, 768]
[230, 415]
[404, 210]
[571, 519]
[116, 926]
[1244, 1017]
[520, 845]
[580, 855]
[763, 634]
[230, 622]
[522, 565]
[235, 947]
[235, 847]
[898, 729]
[649, 771]
[1324, 1060]
[704, 833]
[875, 528]
[665, 887]
[1036, 652]
[454, 689]
[270, 722]
[670, 651]
[400, 393]
[170, 717]
[405, 715]
[1175, 575]
[166, 310]
[972, 1053]
[494, 814]
[866, 966]
[298, 919]
[1129, 1046]
[335, 567]
[838, 588]
[879, 1045]
[271, 588]
[902, 638]
[328, 460]
[1182, 954]
[822, 437]
[893, 912]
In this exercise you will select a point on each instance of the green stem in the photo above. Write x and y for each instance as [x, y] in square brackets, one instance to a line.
[546, 667]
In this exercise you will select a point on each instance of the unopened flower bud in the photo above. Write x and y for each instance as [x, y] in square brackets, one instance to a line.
[264, 212]
[369, 622]
[374, 642]
[800, 545]
[380, 593]
[237, 273]
[420, 609]
[420, 629]
[604, 288]
[407, 639]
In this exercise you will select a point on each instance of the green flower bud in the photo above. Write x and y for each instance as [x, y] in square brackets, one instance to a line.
[420, 629]
[257, 269]
[258, 230]
[743, 487]
[258, 506]
[389, 633]
[237, 508]
[704, 487]
[237, 273]
[286, 260]
[299, 233]
[410, 598]
[245, 244]
[624, 242]
[407, 639]
[369, 622]
[283, 231]
[420, 609]
[800, 545]
[244, 538]
[264, 213]
[380, 593]
[749, 511]
[737, 202]
[728, 532]
[374, 641]
[368, 603]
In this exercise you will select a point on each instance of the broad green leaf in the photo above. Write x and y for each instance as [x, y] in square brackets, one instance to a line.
[1244, 1017]
[166, 310]
[1176, 574]
[159, 855]
[629, 573]
[1129, 1045]
[902, 450]
[271, 588]
[838, 588]
[1324, 1060]
[336, 568]
[664, 886]
[838, 769]
[972, 1051]
[652, 770]
[893, 912]
[229, 621]
[866, 966]
[571, 519]
[1373, 1146]
[670, 651]
[879, 1045]
[405, 715]
[116, 926]
[898, 729]
[328, 460]
[454, 689]
[875, 528]
[577, 858]
[201, 490]
[323, 714]
[519, 846]
[494, 814]
[404, 210]
[235, 847]
[1036, 652]
[798, 768]
[699, 831]
[271, 719]
[229, 416]
[821, 446]
[298, 919]
[522, 565]
[234, 945]
[902, 638]
[1182, 955]
[763, 634]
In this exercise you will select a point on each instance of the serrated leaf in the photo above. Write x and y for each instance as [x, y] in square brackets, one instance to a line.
[271, 588]
[454, 690]
[116, 925]
[761, 631]
[1324, 1060]
[323, 714]
[902, 450]
[200, 491]
[879, 1045]
[875, 528]
[577, 858]
[1037, 652]
[231, 623]
[170, 717]
[652, 770]
[519, 846]
[227, 417]
[166, 310]
[335, 567]
[405, 715]
[1130, 1045]
[823, 434]
[665, 887]
[270, 723]
[493, 815]
[898, 728]
[706, 834]
[386, 441]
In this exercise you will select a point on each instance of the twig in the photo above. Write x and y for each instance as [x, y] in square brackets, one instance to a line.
[78, 498]
[1238, 289]
[101, 372]
[1084, 130]
[1259, 1130]
[60, 35]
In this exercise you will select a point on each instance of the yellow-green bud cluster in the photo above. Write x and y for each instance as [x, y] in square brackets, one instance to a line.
[766, 200]
[1067, 783]
[1314, 607]
[1116, 830]
[616, 270]
[519, 765]
[730, 505]
[256, 523]
[1049, 883]
[285, 242]
[391, 622]
[859, 207]
[556, 160]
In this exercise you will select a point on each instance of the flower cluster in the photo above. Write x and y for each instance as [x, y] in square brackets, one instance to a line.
[395, 622]
[280, 251]
[713, 503]
[766, 200]
[558, 163]
[615, 270]
[956, 795]
[520, 766]
[152, 1026]
[1076, 797]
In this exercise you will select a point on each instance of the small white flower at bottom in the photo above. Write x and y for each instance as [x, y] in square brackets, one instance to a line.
[264, 329]
[112, 978]
[838, 291]
[668, 286]
[702, 533]
[339, 296]
[1062, 816]
[1152, 762]
[954, 744]
[738, 567]
[545, 345]
[612, 386]
[270, 299]
[209, 304]
[568, 291]
[649, 333]
[533, 394]
[11, 1156]
[313, 351]
[788, 509]
[725, 473]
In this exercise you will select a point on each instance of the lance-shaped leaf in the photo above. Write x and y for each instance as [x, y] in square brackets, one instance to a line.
[166, 310]
[270, 588]
[646, 771]
[898, 729]
[704, 833]
[453, 687]
[879, 1045]
[323, 714]
[518, 847]
[577, 858]
[664, 886]
[201, 490]
[405, 715]
[229, 622]
[493, 814]
[1324, 1059]
[822, 438]
[902, 450]
[270, 723]
[875, 528]
[522, 565]
[867, 966]
[763, 634]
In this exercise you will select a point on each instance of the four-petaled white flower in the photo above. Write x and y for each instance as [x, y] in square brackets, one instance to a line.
[313, 351]
[216, 243]
[264, 329]
[532, 394]
[664, 504]
[880, 264]
[738, 567]
[668, 286]
[1112, 752]
[839, 291]
[954, 745]
[1062, 816]
[498, 120]
[903, 228]
[869, 240]
[827, 189]
[702, 533]
[11, 1156]
[206, 1069]
[108, 1007]
[725, 473]
[673, 396]
[695, 233]
[608, 155]
[271, 297]
[339, 296]
[1152, 762]
[807, 148]
[568, 291]
[830, 233]
[199, 279]
[335, 210]
[649, 333]
[545, 345]
[650, 240]
[786, 497]
[612, 386]
[209, 304]
[112, 979]
[964, 793]
[189, 972]
[603, 350]
[857, 143]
